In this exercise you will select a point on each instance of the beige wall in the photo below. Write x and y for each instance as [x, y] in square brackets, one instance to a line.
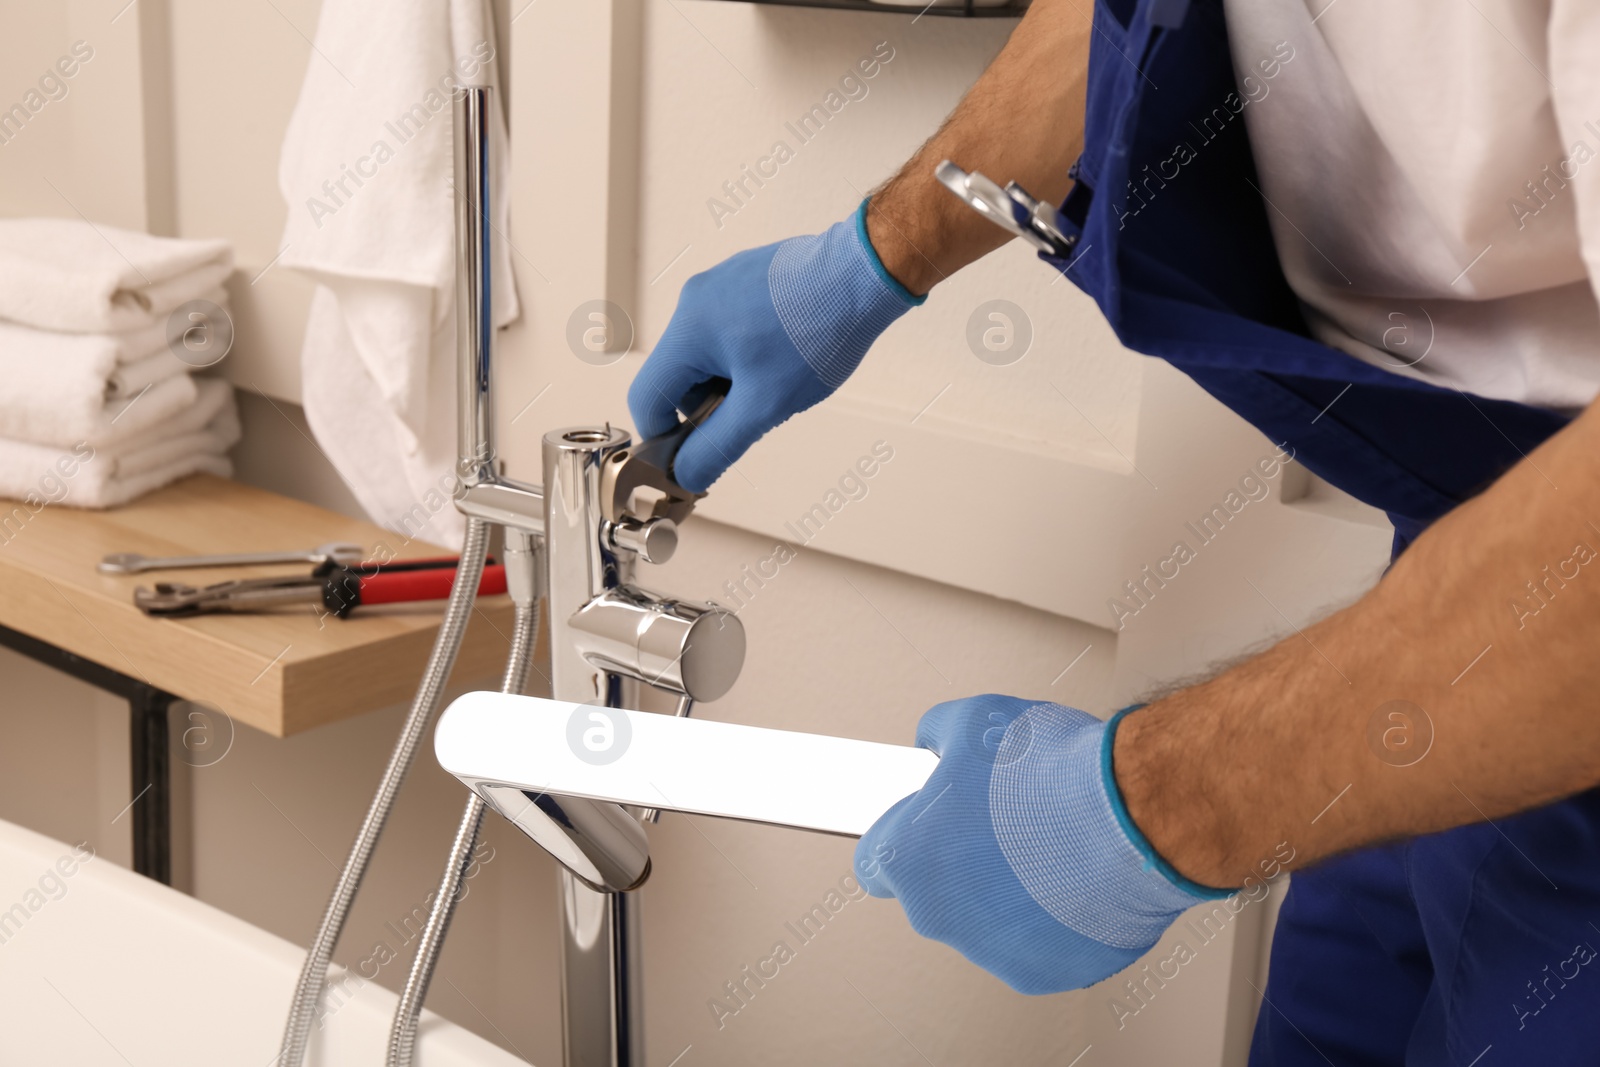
[656, 89]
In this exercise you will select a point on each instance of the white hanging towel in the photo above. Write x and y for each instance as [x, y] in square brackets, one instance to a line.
[71, 274]
[367, 172]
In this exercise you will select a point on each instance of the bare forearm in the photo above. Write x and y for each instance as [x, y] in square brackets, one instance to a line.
[1022, 122]
[1219, 774]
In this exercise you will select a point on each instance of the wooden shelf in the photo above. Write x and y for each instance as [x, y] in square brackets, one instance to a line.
[282, 672]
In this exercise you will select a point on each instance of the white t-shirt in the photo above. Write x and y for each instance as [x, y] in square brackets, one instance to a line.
[1432, 171]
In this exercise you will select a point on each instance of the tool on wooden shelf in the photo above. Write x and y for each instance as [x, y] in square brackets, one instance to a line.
[338, 588]
[134, 563]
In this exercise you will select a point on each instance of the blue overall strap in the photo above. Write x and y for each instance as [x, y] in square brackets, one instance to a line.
[1176, 249]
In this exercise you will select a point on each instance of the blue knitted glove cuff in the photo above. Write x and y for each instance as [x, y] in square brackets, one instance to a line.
[832, 293]
[1064, 830]
[1152, 859]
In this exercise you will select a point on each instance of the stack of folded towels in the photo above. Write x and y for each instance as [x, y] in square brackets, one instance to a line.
[95, 406]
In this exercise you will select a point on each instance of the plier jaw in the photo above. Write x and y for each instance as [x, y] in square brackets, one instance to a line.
[648, 465]
[175, 599]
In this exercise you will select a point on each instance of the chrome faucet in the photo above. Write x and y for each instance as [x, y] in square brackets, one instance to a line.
[606, 637]
[574, 541]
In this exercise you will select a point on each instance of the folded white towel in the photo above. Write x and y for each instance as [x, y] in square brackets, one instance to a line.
[210, 427]
[367, 174]
[70, 274]
[61, 388]
[87, 476]
[136, 371]
[131, 379]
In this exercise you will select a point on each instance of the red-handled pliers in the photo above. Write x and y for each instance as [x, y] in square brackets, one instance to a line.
[340, 588]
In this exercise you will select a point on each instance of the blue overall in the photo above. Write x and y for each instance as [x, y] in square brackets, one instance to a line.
[1437, 951]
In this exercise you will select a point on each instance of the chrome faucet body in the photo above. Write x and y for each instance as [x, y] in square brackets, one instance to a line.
[575, 541]
[606, 637]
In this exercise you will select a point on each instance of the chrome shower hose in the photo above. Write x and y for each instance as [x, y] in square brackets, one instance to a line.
[314, 973]
[403, 1034]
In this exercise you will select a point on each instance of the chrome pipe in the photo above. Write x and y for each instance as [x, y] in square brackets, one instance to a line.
[475, 446]
[600, 844]
[522, 575]
[682, 711]
[453, 628]
[503, 502]
[582, 565]
[602, 1014]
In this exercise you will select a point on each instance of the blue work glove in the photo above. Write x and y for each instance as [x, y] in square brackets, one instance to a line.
[786, 323]
[1018, 851]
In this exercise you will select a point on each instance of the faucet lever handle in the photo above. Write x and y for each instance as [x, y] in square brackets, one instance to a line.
[507, 748]
[648, 465]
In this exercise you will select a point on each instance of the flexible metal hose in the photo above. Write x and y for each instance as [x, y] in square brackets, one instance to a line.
[314, 973]
[403, 1034]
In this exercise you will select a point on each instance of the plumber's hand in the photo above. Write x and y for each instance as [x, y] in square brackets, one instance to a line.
[1018, 851]
[786, 323]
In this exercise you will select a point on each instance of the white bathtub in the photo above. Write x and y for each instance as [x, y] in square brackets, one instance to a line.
[99, 965]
